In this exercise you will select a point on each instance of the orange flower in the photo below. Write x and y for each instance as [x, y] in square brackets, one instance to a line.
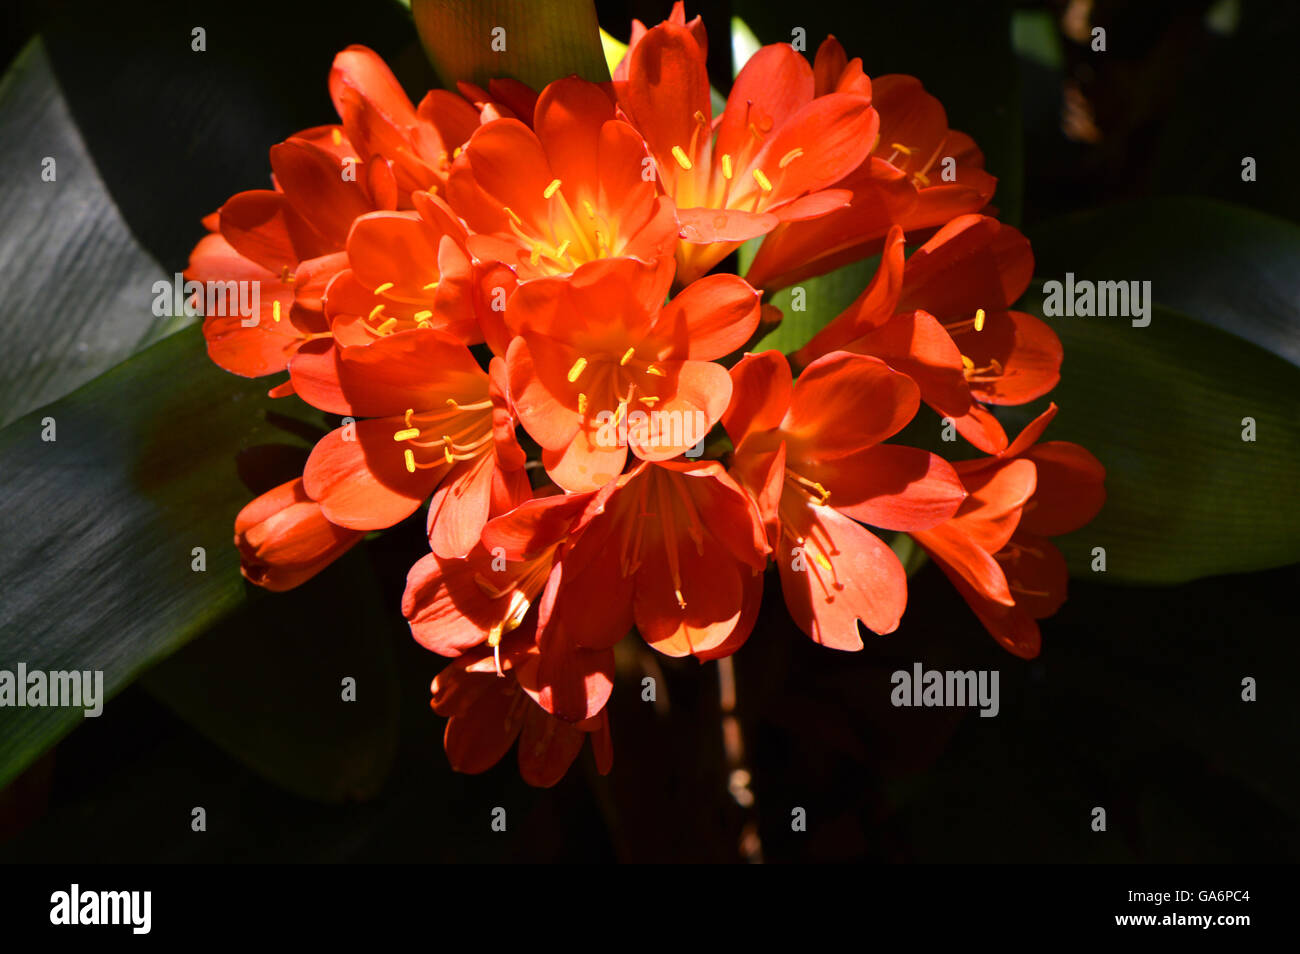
[597, 366]
[284, 539]
[436, 421]
[996, 549]
[778, 147]
[291, 239]
[572, 191]
[811, 455]
[920, 175]
[944, 318]
[492, 702]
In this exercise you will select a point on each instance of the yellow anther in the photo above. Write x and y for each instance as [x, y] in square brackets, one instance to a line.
[431, 286]
[374, 312]
[406, 435]
[921, 177]
[651, 369]
[447, 455]
[536, 255]
[681, 600]
[409, 411]
[336, 136]
[582, 403]
[701, 118]
[627, 356]
[824, 563]
[650, 399]
[494, 635]
[967, 363]
[457, 151]
[762, 180]
[511, 212]
[589, 208]
[383, 288]
[899, 147]
[576, 371]
[409, 455]
[551, 189]
[726, 165]
[790, 157]
[387, 326]
[564, 247]
[422, 315]
[683, 160]
[275, 309]
[979, 319]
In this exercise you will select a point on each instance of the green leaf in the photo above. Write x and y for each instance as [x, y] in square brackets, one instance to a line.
[1163, 408]
[1232, 267]
[534, 42]
[266, 684]
[822, 298]
[100, 523]
[77, 284]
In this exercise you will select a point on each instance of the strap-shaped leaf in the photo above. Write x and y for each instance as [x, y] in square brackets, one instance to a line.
[1168, 409]
[533, 42]
[101, 524]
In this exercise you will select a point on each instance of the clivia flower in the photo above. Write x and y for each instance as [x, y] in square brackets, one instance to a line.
[811, 453]
[920, 174]
[491, 701]
[551, 228]
[597, 366]
[570, 190]
[944, 317]
[996, 549]
[292, 239]
[769, 158]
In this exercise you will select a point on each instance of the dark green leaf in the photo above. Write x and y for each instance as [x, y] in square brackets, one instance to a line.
[100, 524]
[534, 42]
[1163, 407]
[1232, 267]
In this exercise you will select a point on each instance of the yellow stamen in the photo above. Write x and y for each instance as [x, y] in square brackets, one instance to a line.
[383, 288]
[551, 189]
[824, 563]
[446, 450]
[457, 151]
[511, 212]
[967, 363]
[374, 312]
[275, 310]
[790, 157]
[726, 165]
[564, 247]
[898, 146]
[387, 326]
[763, 182]
[681, 600]
[576, 371]
[979, 319]
[651, 369]
[407, 434]
[536, 256]
[582, 403]
[409, 455]
[701, 118]
[421, 315]
[589, 208]
[922, 178]
[683, 160]
[627, 356]
[431, 286]
[336, 136]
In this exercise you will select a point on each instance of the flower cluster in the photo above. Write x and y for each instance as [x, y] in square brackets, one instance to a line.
[510, 299]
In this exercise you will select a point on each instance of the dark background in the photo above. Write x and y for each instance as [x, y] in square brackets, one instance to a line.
[1134, 704]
